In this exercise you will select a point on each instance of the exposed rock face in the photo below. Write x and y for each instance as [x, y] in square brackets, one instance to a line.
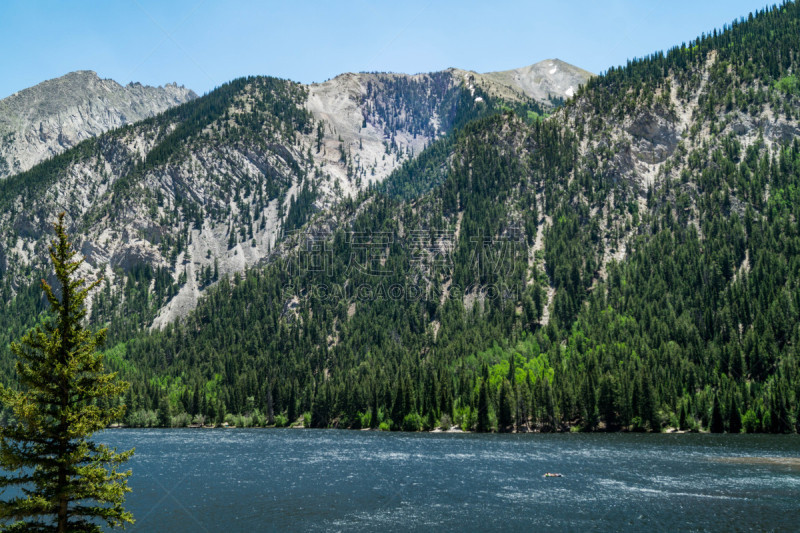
[222, 200]
[350, 105]
[44, 120]
[375, 142]
[546, 82]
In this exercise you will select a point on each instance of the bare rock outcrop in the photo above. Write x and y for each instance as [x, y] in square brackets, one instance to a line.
[44, 120]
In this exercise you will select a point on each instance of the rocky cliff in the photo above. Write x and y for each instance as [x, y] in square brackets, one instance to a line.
[44, 120]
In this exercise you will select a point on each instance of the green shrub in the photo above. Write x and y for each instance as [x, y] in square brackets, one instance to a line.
[259, 419]
[412, 422]
[750, 421]
[142, 418]
[243, 421]
[430, 422]
[788, 84]
[466, 418]
[181, 420]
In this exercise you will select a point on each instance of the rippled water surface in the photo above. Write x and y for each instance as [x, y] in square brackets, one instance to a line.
[257, 480]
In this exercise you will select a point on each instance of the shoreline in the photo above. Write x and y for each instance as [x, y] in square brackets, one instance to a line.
[456, 430]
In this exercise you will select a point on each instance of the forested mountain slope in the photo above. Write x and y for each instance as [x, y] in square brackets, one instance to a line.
[630, 262]
[165, 207]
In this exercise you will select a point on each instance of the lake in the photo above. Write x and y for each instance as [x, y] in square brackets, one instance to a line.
[258, 480]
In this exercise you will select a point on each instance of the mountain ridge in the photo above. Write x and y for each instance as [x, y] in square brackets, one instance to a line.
[626, 261]
[44, 120]
[544, 80]
[367, 125]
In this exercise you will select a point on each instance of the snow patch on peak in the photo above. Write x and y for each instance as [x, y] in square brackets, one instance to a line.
[543, 80]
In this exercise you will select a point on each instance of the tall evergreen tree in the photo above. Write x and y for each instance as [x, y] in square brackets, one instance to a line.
[549, 407]
[606, 402]
[164, 412]
[588, 403]
[69, 481]
[797, 420]
[648, 403]
[505, 419]
[399, 405]
[373, 421]
[484, 425]
[716, 425]
[734, 416]
[682, 423]
[292, 410]
[270, 407]
[779, 413]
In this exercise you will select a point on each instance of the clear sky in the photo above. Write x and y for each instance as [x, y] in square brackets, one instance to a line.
[203, 43]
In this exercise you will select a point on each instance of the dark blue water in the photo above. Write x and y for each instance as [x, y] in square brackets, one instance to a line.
[258, 480]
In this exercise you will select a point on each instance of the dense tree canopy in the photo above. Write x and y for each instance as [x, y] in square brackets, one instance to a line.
[512, 277]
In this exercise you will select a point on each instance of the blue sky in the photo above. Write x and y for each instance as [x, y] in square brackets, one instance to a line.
[203, 43]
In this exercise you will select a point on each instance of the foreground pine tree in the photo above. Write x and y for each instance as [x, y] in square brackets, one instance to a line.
[59, 479]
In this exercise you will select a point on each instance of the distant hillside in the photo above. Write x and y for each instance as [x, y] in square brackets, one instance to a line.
[55, 115]
[549, 81]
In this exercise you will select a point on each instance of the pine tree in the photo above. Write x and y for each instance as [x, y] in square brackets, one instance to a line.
[483, 409]
[196, 402]
[648, 404]
[549, 407]
[716, 425]
[797, 421]
[636, 399]
[70, 482]
[682, 423]
[734, 416]
[374, 417]
[164, 412]
[505, 420]
[779, 413]
[270, 407]
[292, 410]
[399, 407]
[607, 403]
[588, 403]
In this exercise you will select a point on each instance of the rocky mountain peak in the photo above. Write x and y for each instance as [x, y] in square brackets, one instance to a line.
[548, 80]
[44, 120]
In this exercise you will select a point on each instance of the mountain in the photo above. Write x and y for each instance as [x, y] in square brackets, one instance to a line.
[357, 108]
[550, 81]
[640, 270]
[44, 120]
[625, 261]
[209, 187]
